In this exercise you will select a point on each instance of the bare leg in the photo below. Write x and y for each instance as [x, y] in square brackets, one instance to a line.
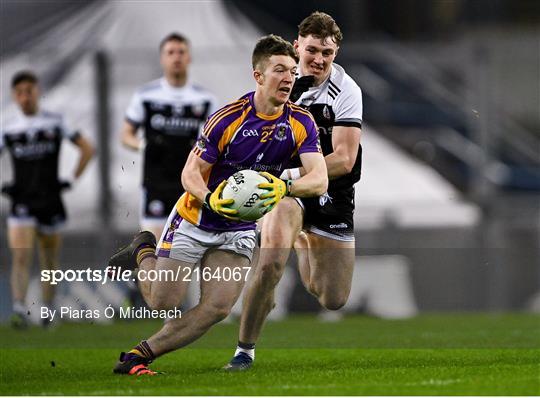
[217, 299]
[49, 251]
[165, 292]
[326, 267]
[21, 243]
[279, 230]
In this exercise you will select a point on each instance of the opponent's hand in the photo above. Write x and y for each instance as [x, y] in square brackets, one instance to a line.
[217, 204]
[301, 85]
[277, 189]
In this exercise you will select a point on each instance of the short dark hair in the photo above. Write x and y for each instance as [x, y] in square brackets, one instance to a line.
[321, 26]
[174, 36]
[271, 45]
[23, 76]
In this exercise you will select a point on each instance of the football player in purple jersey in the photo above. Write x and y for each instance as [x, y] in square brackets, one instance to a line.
[261, 131]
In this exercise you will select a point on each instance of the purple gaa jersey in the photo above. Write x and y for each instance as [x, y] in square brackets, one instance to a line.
[237, 138]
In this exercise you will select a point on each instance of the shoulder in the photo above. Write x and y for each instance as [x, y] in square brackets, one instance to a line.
[341, 84]
[201, 90]
[50, 116]
[300, 114]
[154, 85]
[227, 114]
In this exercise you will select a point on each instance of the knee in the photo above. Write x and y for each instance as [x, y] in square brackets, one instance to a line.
[332, 302]
[21, 258]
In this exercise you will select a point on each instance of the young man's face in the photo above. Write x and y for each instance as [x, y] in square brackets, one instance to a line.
[175, 58]
[26, 95]
[316, 56]
[276, 79]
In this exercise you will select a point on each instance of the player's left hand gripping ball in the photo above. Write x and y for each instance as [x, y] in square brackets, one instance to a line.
[216, 203]
[277, 189]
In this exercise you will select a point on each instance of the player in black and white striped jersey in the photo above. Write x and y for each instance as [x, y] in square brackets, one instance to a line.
[33, 138]
[170, 111]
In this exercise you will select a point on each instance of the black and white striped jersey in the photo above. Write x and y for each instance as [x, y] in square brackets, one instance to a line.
[34, 144]
[171, 118]
[336, 102]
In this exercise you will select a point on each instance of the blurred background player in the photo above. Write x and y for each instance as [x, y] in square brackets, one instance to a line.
[171, 111]
[260, 131]
[321, 229]
[33, 138]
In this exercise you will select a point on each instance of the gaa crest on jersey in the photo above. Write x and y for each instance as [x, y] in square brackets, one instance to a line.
[281, 134]
[326, 113]
[178, 110]
[201, 144]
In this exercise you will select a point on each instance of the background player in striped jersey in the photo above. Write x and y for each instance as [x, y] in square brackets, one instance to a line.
[171, 111]
[260, 131]
[325, 248]
[33, 138]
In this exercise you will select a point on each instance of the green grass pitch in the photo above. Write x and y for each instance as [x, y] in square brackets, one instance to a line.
[472, 354]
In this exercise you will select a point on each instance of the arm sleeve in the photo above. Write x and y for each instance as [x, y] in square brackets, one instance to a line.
[68, 132]
[207, 146]
[348, 108]
[311, 142]
[135, 110]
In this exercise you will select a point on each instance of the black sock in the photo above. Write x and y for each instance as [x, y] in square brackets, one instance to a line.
[246, 346]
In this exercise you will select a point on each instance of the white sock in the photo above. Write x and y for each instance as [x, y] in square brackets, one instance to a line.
[250, 352]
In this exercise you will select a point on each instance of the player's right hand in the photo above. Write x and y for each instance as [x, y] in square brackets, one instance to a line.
[217, 204]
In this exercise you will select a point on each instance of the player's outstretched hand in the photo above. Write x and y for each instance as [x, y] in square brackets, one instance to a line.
[301, 85]
[276, 187]
[216, 203]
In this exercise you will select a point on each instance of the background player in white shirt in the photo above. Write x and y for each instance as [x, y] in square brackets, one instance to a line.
[33, 138]
[171, 112]
[321, 229]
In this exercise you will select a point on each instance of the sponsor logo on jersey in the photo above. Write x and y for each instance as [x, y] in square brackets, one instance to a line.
[338, 226]
[281, 134]
[259, 157]
[250, 133]
[174, 123]
[33, 149]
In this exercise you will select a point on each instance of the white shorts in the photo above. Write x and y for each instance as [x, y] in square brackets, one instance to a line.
[186, 242]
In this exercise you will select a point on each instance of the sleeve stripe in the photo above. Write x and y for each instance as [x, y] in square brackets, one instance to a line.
[218, 116]
[230, 131]
[303, 111]
[222, 114]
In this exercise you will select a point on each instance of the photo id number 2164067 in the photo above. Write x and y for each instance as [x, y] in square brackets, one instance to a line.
[207, 274]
